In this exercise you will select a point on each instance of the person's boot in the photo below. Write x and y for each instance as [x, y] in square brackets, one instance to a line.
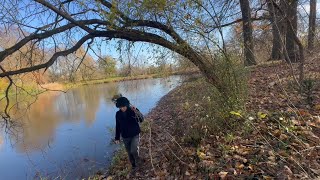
[133, 170]
[137, 160]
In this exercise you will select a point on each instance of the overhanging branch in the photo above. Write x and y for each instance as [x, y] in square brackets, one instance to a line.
[51, 60]
[5, 53]
[63, 14]
[132, 35]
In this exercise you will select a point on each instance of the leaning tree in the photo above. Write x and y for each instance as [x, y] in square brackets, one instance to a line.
[188, 28]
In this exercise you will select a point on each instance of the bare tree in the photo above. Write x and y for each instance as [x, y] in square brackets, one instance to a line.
[247, 33]
[312, 24]
[278, 23]
[294, 50]
[292, 23]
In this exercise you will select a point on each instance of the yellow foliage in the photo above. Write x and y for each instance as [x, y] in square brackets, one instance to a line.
[235, 113]
[262, 115]
[201, 155]
[186, 106]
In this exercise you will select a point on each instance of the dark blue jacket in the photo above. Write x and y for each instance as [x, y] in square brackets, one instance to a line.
[127, 123]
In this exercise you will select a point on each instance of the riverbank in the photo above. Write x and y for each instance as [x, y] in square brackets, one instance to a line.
[276, 138]
[66, 86]
[33, 88]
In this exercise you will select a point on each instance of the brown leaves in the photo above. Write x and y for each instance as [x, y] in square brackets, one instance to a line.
[283, 142]
[223, 174]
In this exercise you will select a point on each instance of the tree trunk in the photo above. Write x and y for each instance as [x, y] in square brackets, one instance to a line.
[278, 30]
[312, 24]
[247, 33]
[291, 45]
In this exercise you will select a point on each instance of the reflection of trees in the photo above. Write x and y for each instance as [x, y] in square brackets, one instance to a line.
[137, 88]
[51, 109]
[39, 124]
[109, 91]
[91, 99]
[170, 81]
[84, 101]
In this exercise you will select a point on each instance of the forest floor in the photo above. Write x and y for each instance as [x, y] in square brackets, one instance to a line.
[277, 137]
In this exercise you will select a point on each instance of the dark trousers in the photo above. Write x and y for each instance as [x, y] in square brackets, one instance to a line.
[132, 146]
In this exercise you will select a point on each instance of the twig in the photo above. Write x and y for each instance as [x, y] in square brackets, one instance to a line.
[174, 140]
[176, 155]
[268, 143]
[150, 152]
[311, 148]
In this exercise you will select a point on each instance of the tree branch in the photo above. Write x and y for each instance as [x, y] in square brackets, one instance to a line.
[6, 113]
[63, 14]
[110, 6]
[51, 60]
[153, 24]
[5, 53]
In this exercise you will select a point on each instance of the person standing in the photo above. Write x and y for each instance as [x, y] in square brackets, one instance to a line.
[127, 125]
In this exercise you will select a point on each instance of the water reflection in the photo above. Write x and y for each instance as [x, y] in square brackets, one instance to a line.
[68, 127]
[51, 109]
[1, 142]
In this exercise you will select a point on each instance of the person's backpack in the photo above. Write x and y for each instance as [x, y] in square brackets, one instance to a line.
[139, 115]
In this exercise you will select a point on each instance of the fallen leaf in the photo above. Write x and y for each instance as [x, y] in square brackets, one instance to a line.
[207, 163]
[223, 174]
[236, 113]
[272, 158]
[262, 115]
[271, 163]
[283, 137]
[241, 166]
[251, 167]
[317, 107]
[276, 132]
[287, 171]
[267, 178]
[201, 155]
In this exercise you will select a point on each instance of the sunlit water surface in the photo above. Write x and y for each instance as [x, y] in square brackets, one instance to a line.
[68, 135]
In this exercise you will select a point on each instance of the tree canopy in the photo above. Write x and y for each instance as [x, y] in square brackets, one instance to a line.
[191, 28]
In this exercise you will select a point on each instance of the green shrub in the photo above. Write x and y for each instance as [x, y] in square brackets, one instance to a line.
[234, 77]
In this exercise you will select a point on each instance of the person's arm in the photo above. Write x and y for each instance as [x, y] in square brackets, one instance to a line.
[117, 138]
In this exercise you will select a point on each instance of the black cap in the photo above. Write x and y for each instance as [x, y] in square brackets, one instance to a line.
[122, 101]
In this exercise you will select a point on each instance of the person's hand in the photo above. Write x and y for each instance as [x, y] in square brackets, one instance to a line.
[116, 141]
[133, 108]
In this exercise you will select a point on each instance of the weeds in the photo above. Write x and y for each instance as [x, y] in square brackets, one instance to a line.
[307, 91]
[194, 137]
[118, 160]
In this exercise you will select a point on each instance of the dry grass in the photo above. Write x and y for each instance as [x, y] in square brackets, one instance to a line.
[53, 86]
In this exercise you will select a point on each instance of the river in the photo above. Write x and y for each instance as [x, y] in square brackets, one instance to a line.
[68, 135]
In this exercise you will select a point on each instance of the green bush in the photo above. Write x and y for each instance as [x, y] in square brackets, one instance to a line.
[234, 77]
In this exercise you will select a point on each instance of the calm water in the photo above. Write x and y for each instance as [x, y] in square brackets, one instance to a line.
[69, 134]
